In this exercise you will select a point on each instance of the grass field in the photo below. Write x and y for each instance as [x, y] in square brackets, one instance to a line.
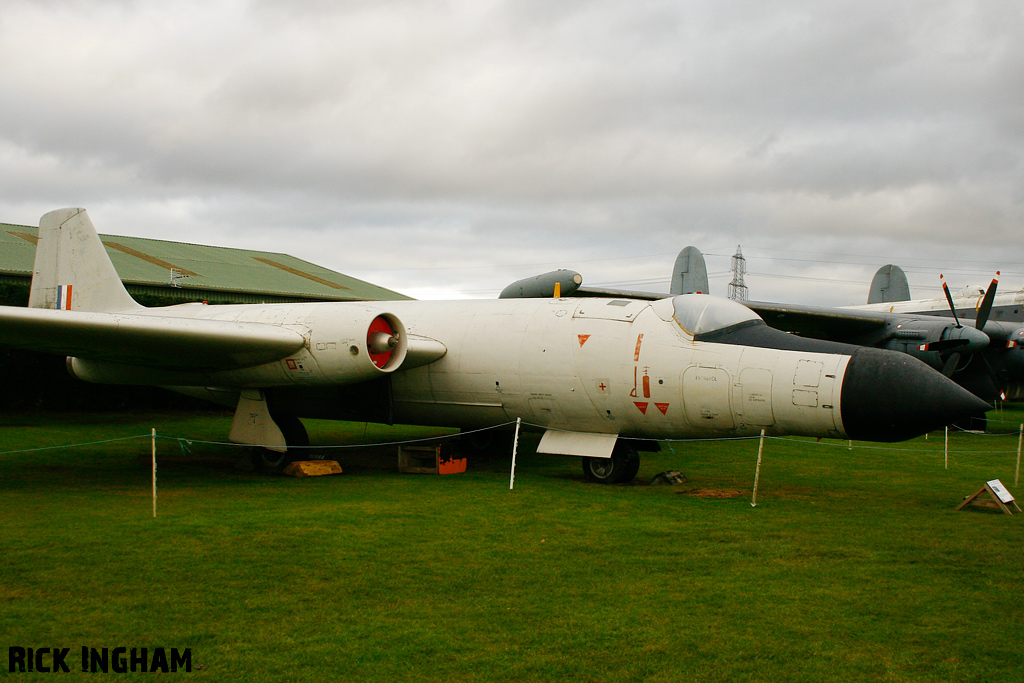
[854, 565]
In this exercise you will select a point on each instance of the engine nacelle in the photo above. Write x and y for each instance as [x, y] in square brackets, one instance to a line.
[1014, 357]
[357, 345]
[360, 347]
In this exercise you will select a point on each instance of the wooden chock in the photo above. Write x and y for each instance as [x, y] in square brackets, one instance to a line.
[312, 468]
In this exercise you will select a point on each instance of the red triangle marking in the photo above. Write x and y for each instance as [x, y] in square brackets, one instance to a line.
[642, 407]
[583, 338]
[663, 407]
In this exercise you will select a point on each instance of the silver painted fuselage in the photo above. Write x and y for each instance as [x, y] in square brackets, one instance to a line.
[592, 365]
[610, 366]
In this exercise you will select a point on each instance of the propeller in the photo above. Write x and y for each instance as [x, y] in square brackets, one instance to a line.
[984, 310]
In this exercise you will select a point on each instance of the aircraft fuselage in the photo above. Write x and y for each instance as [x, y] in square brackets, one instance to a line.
[610, 366]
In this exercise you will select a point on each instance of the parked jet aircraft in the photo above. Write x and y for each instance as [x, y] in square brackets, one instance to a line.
[600, 377]
[987, 357]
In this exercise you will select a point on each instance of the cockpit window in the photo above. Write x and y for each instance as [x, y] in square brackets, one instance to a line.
[701, 314]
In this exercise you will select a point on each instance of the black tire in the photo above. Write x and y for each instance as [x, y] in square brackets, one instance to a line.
[486, 444]
[266, 460]
[974, 423]
[632, 467]
[618, 469]
[293, 430]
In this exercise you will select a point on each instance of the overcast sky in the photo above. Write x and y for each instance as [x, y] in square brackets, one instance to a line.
[445, 149]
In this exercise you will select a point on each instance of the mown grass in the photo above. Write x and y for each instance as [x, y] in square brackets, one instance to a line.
[853, 566]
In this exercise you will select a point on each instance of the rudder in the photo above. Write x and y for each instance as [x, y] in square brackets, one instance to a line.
[889, 285]
[689, 273]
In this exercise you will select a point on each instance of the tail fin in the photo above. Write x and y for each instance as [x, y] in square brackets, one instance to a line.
[689, 274]
[889, 285]
[72, 269]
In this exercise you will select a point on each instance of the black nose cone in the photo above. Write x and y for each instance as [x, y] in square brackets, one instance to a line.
[890, 396]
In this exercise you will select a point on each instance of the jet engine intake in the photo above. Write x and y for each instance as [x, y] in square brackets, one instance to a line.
[361, 348]
[381, 341]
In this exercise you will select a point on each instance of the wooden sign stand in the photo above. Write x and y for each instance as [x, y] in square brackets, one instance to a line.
[997, 497]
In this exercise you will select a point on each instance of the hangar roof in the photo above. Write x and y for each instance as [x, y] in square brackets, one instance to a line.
[195, 269]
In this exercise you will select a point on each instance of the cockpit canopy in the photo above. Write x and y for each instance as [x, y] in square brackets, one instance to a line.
[700, 314]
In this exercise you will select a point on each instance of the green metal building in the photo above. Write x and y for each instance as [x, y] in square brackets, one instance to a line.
[159, 271]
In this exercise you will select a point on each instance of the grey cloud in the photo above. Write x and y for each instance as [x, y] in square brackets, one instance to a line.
[462, 132]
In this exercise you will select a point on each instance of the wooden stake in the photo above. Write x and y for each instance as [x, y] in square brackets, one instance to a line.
[515, 447]
[1020, 439]
[153, 439]
[757, 472]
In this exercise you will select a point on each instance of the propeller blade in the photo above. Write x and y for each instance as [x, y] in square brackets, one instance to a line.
[949, 298]
[943, 345]
[986, 304]
[998, 383]
[997, 377]
[950, 366]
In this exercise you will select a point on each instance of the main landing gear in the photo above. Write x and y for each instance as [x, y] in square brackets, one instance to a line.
[266, 460]
[275, 436]
[621, 468]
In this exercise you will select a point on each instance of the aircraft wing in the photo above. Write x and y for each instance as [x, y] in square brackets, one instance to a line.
[619, 294]
[819, 322]
[147, 340]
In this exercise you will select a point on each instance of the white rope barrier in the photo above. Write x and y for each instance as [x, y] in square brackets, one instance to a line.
[186, 442]
[75, 445]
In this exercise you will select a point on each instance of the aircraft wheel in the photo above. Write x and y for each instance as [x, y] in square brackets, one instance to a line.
[480, 442]
[618, 469]
[487, 444]
[266, 460]
[294, 432]
[632, 467]
[975, 423]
